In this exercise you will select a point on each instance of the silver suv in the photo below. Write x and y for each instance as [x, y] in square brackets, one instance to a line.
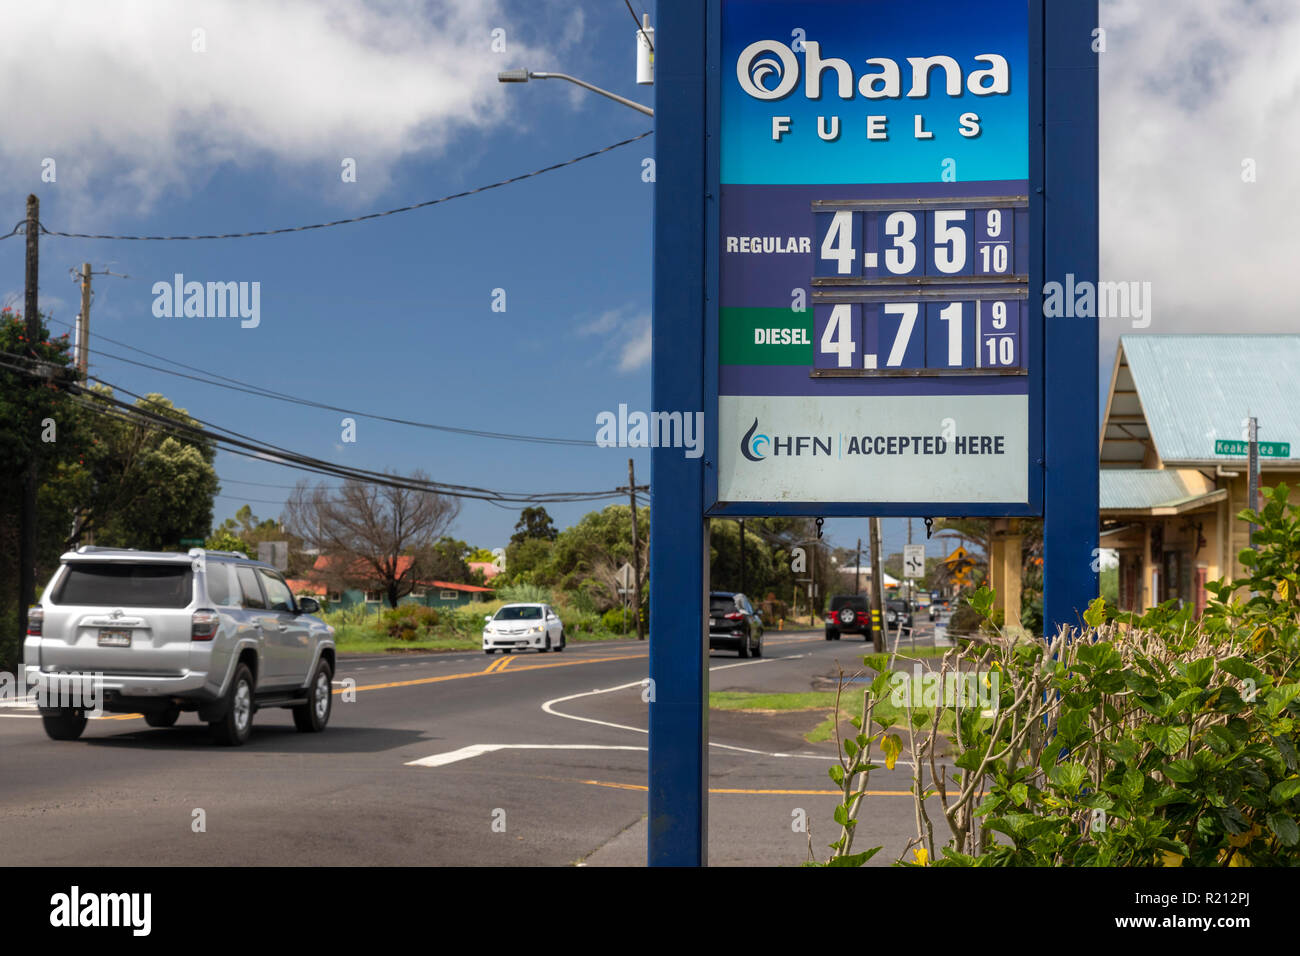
[205, 631]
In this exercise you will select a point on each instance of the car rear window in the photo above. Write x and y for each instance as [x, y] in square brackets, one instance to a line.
[722, 605]
[857, 603]
[126, 585]
[218, 576]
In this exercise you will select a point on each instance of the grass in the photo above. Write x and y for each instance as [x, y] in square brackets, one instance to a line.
[361, 639]
[770, 703]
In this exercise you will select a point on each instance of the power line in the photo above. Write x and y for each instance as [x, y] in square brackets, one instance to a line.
[249, 447]
[344, 222]
[638, 25]
[251, 389]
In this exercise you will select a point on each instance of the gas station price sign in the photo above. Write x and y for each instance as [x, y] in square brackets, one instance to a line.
[875, 249]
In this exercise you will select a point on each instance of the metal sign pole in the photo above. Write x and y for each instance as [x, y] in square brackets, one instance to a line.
[1065, 193]
[679, 553]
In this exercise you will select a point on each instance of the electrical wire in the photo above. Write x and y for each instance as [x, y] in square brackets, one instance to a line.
[236, 443]
[251, 389]
[640, 28]
[344, 222]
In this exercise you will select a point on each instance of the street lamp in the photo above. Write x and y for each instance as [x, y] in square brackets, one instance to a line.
[523, 76]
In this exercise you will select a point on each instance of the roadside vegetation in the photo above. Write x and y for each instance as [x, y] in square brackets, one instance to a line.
[415, 628]
[1152, 740]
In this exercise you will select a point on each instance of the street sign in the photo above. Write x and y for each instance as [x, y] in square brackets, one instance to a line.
[274, 553]
[625, 576]
[1240, 449]
[861, 211]
[875, 338]
[914, 560]
[191, 542]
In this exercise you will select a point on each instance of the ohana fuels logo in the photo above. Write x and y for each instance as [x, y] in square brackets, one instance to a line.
[757, 447]
[750, 445]
[770, 70]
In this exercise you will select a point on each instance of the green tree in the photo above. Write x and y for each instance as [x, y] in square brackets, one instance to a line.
[534, 523]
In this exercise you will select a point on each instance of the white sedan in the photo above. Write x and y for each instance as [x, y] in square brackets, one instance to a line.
[516, 626]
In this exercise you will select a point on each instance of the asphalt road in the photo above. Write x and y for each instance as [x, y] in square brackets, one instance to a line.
[443, 759]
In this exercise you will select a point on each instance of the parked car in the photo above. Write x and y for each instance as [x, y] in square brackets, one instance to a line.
[848, 614]
[519, 626]
[734, 624]
[898, 613]
[205, 631]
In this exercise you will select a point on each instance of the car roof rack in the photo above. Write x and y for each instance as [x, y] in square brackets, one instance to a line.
[221, 554]
[96, 548]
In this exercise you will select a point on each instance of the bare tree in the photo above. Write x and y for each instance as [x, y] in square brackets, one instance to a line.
[371, 533]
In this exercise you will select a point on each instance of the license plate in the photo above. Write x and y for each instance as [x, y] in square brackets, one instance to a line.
[108, 638]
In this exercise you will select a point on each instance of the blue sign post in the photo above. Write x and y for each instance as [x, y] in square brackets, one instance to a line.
[858, 205]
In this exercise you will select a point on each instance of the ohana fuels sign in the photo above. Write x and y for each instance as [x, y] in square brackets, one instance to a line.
[873, 335]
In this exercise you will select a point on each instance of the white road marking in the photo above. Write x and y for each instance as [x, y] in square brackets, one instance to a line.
[475, 750]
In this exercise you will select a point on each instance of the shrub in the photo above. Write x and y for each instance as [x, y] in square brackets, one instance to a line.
[1135, 741]
[525, 594]
[407, 621]
[613, 620]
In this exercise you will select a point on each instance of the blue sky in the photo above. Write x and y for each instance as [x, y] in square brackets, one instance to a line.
[394, 316]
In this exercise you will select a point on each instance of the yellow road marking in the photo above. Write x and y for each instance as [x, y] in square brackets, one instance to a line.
[809, 793]
[498, 665]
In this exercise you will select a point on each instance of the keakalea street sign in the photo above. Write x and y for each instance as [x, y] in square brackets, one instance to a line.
[1240, 449]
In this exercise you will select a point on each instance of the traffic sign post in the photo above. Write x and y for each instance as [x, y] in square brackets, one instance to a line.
[858, 209]
[914, 560]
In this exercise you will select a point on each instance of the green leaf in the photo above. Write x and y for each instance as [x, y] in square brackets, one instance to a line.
[1019, 792]
[1133, 783]
[1200, 670]
[1070, 777]
[1095, 616]
[1284, 826]
[1286, 790]
[1170, 739]
[1181, 771]
[836, 771]
[841, 812]
[877, 662]
[853, 859]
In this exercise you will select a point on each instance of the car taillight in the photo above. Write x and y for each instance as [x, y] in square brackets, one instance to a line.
[735, 616]
[35, 620]
[204, 624]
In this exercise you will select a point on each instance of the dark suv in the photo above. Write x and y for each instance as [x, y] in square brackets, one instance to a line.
[849, 614]
[734, 624]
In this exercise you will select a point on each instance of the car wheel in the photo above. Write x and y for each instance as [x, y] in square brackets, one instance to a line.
[65, 725]
[758, 648]
[744, 647]
[312, 716]
[236, 724]
[547, 648]
[163, 718]
[832, 635]
[562, 641]
[507, 650]
[489, 650]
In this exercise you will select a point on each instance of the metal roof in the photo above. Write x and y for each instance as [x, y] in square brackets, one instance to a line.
[1195, 389]
[1143, 489]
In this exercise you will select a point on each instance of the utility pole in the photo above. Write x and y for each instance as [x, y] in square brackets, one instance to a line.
[27, 525]
[1252, 477]
[878, 583]
[636, 551]
[857, 570]
[83, 324]
[741, 522]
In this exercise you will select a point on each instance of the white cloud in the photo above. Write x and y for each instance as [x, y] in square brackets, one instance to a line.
[1189, 90]
[625, 335]
[636, 353]
[130, 112]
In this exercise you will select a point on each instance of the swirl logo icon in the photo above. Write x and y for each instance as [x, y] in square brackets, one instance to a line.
[765, 59]
[751, 444]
